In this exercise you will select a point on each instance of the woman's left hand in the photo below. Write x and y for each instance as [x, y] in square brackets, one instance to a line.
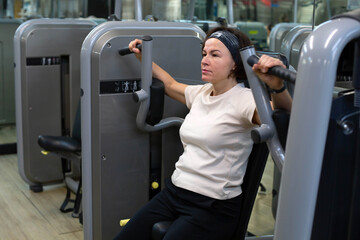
[261, 68]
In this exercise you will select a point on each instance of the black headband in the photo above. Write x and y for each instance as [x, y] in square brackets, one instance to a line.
[230, 41]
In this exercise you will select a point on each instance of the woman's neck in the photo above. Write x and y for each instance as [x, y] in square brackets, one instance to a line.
[223, 86]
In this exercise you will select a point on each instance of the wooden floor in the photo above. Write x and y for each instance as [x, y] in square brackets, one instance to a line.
[26, 215]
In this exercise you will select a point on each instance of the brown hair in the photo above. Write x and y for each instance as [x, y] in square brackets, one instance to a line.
[244, 41]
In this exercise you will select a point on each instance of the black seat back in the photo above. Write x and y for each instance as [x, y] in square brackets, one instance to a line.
[76, 131]
[250, 186]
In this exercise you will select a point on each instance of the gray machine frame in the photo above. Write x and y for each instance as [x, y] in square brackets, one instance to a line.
[277, 33]
[115, 151]
[39, 100]
[308, 126]
[293, 41]
[309, 123]
[291, 45]
[7, 86]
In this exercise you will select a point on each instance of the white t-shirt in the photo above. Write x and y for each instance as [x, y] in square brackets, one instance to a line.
[216, 140]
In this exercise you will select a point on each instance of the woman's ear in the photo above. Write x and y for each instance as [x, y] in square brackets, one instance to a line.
[234, 66]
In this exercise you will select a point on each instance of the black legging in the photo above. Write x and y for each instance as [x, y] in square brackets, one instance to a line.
[194, 216]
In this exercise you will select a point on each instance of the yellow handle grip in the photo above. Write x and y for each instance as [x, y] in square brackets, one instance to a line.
[123, 222]
[44, 152]
[155, 185]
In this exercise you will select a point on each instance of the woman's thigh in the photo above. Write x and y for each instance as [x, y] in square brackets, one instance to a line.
[203, 224]
[140, 225]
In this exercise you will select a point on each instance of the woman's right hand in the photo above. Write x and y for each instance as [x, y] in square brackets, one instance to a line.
[134, 49]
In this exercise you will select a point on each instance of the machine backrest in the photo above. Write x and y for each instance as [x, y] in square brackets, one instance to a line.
[250, 186]
[76, 131]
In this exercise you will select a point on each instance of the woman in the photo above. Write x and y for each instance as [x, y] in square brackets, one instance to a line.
[205, 188]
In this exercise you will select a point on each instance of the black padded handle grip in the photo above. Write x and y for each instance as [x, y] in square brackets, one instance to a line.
[156, 109]
[126, 50]
[278, 71]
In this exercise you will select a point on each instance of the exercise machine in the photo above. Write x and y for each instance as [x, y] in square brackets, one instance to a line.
[47, 91]
[7, 97]
[315, 202]
[118, 158]
[292, 43]
[277, 33]
[7, 107]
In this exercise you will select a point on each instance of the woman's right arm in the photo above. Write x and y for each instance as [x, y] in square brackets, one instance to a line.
[173, 88]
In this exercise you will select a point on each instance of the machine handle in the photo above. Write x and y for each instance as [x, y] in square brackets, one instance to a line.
[143, 95]
[126, 50]
[278, 71]
[268, 131]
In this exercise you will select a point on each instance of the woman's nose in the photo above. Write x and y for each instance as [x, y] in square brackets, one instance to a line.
[204, 61]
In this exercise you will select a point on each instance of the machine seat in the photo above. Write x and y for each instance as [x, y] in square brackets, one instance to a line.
[59, 144]
[68, 148]
[159, 230]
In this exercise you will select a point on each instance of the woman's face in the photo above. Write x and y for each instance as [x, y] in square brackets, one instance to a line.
[217, 61]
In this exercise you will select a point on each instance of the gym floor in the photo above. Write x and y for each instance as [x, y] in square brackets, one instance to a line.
[26, 215]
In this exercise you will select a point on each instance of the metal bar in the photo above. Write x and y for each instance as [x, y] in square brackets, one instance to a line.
[10, 9]
[313, 15]
[263, 106]
[84, 8]
[118, 9]
[191, 10]
[144, 94]
[138, 10]
[295, 11]
[2, 10]
[230, 11]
